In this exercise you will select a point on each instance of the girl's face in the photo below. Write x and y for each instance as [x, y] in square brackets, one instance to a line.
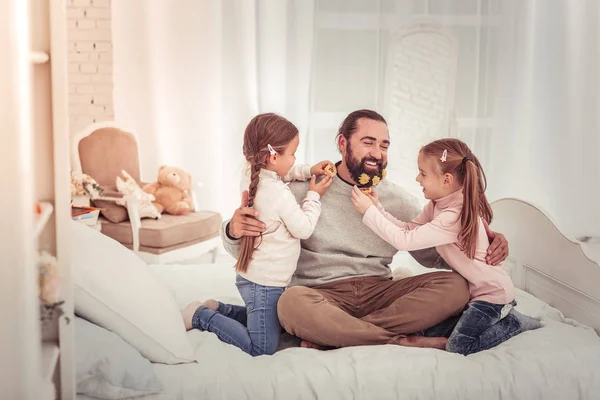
[281, 163]
[435, 184]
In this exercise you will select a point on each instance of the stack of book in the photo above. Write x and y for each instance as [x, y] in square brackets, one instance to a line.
[85, 215]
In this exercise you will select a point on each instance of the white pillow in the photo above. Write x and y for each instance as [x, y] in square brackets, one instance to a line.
[108, 368]
[116, 290]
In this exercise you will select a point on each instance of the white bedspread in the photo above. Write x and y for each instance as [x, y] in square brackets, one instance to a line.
[559, 361]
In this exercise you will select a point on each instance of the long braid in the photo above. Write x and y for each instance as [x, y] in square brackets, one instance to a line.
[254, 177]
[248, 242]
[485, 210]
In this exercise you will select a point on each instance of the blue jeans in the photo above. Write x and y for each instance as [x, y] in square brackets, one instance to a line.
[255, 328]
[484, 325]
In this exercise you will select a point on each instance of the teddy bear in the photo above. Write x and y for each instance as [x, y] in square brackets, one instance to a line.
[172, 191]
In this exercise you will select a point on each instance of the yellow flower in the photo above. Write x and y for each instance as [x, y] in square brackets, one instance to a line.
[376, 180]
[364, 179]
[383, 174]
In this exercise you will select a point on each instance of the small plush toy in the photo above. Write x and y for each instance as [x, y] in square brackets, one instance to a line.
[172, 191]
[129, 187]
[84, 185]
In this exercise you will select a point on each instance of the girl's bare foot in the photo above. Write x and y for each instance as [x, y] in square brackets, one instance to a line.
[188, 313]
[211, 304]
[422, 341]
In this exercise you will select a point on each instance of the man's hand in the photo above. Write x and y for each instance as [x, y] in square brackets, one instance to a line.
[361, 201]
[498, 249]
[244, 222]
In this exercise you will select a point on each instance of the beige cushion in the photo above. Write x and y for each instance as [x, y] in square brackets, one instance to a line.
[111, 210]
[169, 230]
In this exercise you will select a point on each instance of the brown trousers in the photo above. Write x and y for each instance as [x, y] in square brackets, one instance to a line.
[371, 310]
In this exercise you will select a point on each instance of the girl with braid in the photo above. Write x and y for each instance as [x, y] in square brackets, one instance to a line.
[455, 221]
[266, 264]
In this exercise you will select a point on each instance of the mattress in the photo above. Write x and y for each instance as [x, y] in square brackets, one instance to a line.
[559, 361]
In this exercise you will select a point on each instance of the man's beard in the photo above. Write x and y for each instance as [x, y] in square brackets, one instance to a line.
[357, 167]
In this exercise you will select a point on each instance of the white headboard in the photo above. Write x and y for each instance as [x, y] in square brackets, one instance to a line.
[546, 264]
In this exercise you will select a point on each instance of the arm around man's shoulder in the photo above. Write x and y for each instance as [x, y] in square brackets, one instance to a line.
[244, 222]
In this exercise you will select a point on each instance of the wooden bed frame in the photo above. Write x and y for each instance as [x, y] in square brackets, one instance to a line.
[547, 264]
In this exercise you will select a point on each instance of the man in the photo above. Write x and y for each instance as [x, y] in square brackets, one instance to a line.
[342, 293]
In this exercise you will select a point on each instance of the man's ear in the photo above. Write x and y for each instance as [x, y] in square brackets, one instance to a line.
[448, 179]
[341, 142]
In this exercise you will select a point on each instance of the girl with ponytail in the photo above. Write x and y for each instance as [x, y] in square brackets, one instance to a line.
[455, 222]
[266, 264]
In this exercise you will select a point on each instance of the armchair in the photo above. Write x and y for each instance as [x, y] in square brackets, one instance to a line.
[102, 151]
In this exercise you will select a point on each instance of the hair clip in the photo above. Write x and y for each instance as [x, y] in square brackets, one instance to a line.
[271, 150]
[444, 155]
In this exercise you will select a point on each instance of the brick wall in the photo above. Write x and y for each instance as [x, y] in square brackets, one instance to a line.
[90, 62]
[420, 88]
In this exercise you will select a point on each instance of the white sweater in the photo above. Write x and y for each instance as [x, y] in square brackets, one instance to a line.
[274, 260]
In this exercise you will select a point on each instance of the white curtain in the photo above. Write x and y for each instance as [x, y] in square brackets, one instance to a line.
[188, 78]
[546, 137]
[526, 91]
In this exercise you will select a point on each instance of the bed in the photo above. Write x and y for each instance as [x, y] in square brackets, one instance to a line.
[557, 283]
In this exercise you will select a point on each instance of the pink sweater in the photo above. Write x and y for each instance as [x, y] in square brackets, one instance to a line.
[439, 225]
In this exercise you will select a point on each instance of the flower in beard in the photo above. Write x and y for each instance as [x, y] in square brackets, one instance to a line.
[363, 179]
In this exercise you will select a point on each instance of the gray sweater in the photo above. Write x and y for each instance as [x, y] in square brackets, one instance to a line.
[341, 245]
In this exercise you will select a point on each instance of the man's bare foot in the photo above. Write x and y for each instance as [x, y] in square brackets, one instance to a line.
[310, 345]
[211, 304]
[188, 313]
[423, 341]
